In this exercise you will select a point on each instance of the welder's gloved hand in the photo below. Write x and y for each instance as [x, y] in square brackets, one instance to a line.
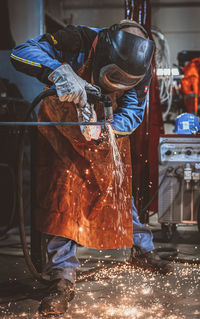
[69, 86]
[88, 114]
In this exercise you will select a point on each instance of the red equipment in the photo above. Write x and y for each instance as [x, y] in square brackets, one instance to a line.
[144, 142]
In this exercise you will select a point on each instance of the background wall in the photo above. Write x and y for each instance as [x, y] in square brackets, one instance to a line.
[177, 19]
[88, 12]
[180, 22]
[26, 21]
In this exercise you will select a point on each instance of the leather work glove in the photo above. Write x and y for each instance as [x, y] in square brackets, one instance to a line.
[69, 86]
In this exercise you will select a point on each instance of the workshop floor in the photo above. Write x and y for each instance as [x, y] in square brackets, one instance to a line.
[107, 286]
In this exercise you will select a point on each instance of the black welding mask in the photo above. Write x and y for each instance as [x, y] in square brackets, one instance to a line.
[121, 58]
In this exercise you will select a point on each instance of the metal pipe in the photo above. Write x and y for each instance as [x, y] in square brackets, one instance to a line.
[132, 6]
[25, 248]
[126, 8]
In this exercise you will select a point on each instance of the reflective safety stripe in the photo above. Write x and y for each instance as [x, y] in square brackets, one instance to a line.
[123, 133]
[17, 58]
[54, 40]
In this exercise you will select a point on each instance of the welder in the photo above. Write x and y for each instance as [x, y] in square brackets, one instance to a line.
[75, 181]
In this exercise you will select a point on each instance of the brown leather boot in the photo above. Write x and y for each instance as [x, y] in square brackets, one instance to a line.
[150, 261]
[57, 300]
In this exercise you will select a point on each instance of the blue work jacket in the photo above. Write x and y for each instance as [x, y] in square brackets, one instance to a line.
[40, 56]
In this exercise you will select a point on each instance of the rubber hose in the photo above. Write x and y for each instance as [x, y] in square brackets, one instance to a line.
[27, 257]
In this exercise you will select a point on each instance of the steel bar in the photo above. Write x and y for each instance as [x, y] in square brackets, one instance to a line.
[51, 123]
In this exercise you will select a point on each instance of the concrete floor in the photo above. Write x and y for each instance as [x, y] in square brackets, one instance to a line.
[107, 285]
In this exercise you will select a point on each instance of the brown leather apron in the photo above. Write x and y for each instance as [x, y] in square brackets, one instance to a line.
[78, 196]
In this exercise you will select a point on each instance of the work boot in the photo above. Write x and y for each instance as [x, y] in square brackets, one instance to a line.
[150, 261]
[59, 295]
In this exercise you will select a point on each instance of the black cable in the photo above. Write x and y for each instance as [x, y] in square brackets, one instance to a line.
[92, 98]
[19, 185]
[12, 215]
[12, 101]
[27, 257]
[38, 98]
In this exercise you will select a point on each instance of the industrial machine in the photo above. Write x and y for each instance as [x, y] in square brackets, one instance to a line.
[179, 181]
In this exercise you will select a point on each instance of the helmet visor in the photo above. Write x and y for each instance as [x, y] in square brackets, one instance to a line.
[114, 78]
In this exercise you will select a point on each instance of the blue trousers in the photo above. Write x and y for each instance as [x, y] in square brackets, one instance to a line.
[63, 262]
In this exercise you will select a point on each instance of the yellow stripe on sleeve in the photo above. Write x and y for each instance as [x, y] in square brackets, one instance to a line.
[17, 58]
[54, 40]
[123, 133]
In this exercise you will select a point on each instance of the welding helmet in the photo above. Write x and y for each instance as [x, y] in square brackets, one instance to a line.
[187, 123]
[121, 59]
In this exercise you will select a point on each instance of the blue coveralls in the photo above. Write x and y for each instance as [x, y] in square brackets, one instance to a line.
[39, 57]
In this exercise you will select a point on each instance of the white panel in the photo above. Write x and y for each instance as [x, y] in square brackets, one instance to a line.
[181, 26]
[176, 19]
[179, 41]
